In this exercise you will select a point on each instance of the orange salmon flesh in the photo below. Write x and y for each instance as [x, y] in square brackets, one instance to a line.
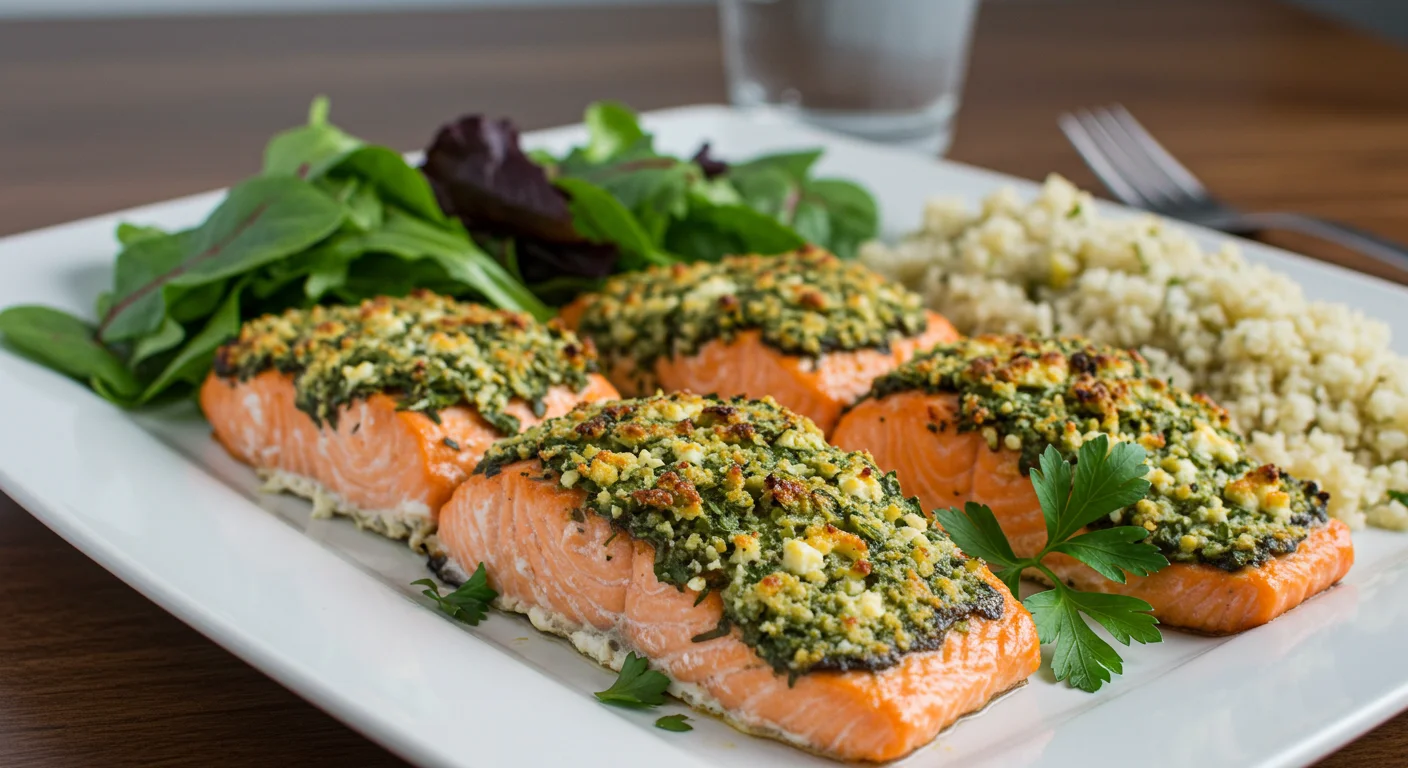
[391, 470]
[818, 388]
[579, 580]
[945, 468]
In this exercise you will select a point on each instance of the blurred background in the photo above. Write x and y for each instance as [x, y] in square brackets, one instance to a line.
[1388, 17]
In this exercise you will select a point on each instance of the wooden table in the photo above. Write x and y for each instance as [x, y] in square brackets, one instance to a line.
[1273, 107]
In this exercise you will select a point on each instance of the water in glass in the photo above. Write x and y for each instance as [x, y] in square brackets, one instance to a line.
[886, 70]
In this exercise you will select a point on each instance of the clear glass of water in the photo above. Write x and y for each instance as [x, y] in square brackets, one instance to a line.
[885, 70]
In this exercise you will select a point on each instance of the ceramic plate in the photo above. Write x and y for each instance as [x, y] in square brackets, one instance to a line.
[328, 611]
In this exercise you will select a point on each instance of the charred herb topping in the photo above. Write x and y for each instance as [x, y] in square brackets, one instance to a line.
[820, 561]
[429, 351]
[1207, 503]
[806, 302]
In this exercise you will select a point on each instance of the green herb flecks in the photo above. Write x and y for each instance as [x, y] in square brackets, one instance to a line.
[806, 303]
[816, 557]
[637, 686]
[1209, 502]
[428, 351]
[1106, 478]
[676, 723]
[468, 603]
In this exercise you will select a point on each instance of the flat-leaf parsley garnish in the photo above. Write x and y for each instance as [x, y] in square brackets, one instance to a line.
[637, 686]
[674, 723]
[1106, 478]
[468, 603]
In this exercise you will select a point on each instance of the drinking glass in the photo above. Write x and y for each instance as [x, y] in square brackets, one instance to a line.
[885, 70]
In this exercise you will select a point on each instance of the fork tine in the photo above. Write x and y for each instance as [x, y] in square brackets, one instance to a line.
[1132, 157]
[1090, 151]
[1176, 171]
[1128, 161]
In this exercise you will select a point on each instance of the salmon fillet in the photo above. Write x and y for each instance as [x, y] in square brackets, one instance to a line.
[575, 577]
[818, 388]
[388, 469]
[916, 435]
[806, 328]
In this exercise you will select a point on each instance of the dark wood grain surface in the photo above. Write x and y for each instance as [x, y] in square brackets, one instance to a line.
[1273, 107]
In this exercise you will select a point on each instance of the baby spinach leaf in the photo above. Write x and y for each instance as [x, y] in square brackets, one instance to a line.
[142, 263]
[833, 213]
[393, 179]
[793, 165]
[261, 220]
[407, 237]
[598, 215]
[851, 213]
[611, 128]
[308, 151]
[721, 230]
[190, 303]
[67, 344]
[327, 271]
[170, 334]
[362, 206]
[128, 233]
[194, 359]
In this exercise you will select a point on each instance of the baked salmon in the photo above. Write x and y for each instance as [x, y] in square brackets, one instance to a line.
[966, 421]
[780, 583]
[805, 328]
[378, 412]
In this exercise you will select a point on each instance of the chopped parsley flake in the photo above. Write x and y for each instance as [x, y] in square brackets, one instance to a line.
[806, 303]
[1208, 502]
[676, 723]
[430, 352]
[820, 561]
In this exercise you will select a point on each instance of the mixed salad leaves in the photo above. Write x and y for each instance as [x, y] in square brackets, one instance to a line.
[333, 219]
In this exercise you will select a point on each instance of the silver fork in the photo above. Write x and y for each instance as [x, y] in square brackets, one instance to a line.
[1140, 172]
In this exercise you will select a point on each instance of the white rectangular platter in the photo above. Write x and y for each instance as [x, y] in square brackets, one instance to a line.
[328, 611]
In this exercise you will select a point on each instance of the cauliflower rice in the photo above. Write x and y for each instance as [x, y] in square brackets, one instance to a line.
[1313, 384]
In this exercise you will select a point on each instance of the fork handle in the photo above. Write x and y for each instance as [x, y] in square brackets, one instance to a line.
[1378, 248]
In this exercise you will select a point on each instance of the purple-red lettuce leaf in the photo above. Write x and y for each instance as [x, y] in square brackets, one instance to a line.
[481, 176]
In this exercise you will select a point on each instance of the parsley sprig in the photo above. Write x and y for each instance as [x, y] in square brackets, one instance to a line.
[637, 686]
[469, 603]
[1105, 478]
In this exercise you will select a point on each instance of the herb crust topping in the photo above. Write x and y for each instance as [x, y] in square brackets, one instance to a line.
[429, 351]
[820, 561]
[807, 302]
[1207, 503]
